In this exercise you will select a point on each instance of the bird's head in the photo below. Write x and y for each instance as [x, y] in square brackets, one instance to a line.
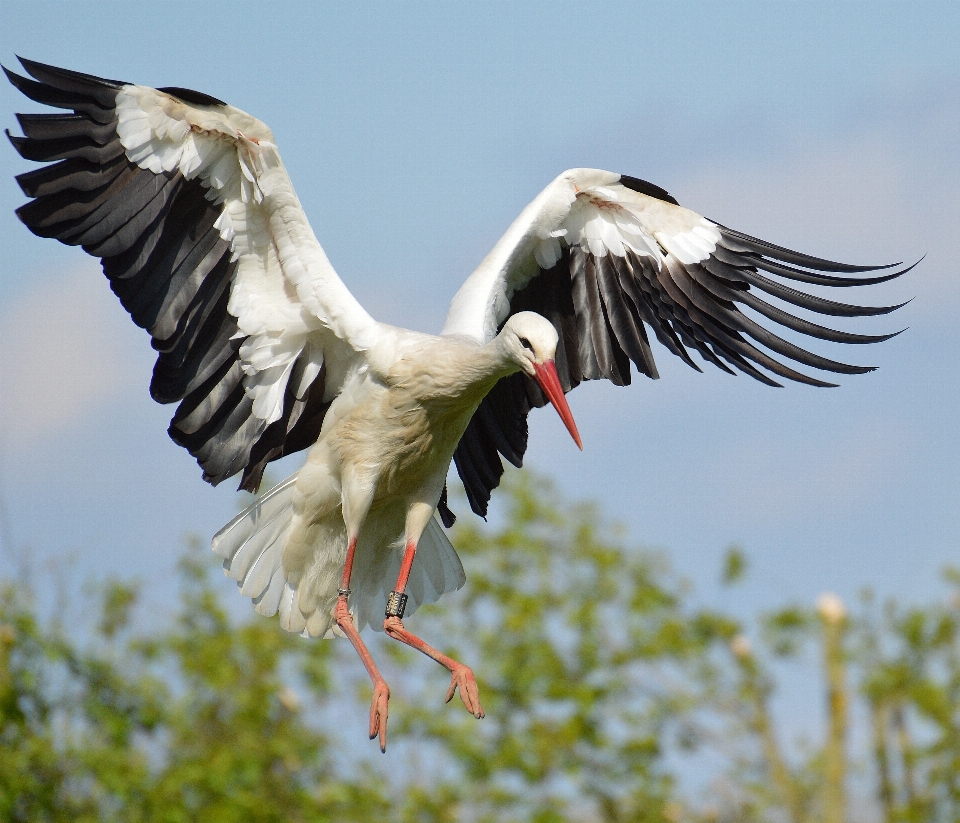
[530, 341]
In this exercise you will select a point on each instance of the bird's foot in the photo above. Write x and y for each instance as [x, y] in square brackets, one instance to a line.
[379, 705]
[462, 677]
[379, 710]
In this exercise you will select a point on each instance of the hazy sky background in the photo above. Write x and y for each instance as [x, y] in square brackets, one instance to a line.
[414, 134]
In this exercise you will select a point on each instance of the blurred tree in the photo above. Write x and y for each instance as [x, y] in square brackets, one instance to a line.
[583, 648]
[910, 659]
[193, 723]
[600, 680]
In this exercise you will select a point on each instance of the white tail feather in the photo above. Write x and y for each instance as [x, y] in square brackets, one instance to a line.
[251, 546]
[291, 619]
[269, 600]
[255, 547]
[264, 510]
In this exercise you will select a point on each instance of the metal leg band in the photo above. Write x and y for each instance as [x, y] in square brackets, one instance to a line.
[344, 592]
[396, 603]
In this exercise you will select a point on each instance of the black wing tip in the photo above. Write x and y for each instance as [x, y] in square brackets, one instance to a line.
[19, 143]
[37, 70]
[857, 369]
[194, 98]
[911, 267]
[16, 80]
[249, 482]
[877, 310]
[42, 72]
[647, 188]
[882, 338]
[816, 383]
[807, 380]
[869, 281]
[874, 338]
[22, 218]
[765, 247]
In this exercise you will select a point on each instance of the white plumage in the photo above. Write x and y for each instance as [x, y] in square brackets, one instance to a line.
[254, 539]
[188, 204]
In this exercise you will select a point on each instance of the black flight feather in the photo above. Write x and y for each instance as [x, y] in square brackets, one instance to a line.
[601, 306]
[166, 262]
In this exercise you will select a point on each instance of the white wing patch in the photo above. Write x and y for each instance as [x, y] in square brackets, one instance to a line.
[600, 223]
[585, 208]
[614, 219]
[284, 292]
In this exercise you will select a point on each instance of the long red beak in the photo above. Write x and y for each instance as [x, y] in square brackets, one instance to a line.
[550, 383]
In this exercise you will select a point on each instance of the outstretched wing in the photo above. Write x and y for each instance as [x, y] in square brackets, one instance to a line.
[605, 257]
[188, 205]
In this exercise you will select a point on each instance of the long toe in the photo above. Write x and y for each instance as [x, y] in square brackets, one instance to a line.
[379, 711]
[463, 679]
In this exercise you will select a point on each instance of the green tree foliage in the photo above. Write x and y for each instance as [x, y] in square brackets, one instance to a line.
[609, 696]
[581, 646]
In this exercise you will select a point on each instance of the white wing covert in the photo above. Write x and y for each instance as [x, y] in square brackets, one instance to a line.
[604, 257]
[187, 202]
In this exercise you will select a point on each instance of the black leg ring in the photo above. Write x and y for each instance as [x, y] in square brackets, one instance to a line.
[396, 603]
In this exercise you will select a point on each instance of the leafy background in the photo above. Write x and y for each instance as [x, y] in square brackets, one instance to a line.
[605, 689]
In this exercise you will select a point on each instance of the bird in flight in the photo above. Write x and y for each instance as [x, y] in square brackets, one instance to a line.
[266, 352]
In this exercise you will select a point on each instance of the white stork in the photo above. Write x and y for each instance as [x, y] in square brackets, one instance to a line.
[201, 235]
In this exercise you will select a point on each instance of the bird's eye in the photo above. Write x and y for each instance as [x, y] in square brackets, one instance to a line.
[525, 343]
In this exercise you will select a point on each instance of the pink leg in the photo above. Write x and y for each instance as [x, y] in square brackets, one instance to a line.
[462, 676]
[381, 692]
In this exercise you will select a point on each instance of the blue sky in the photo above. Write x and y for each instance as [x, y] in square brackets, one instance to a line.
[415, 133]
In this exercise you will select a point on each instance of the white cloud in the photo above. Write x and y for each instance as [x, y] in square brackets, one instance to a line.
[64, 351]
